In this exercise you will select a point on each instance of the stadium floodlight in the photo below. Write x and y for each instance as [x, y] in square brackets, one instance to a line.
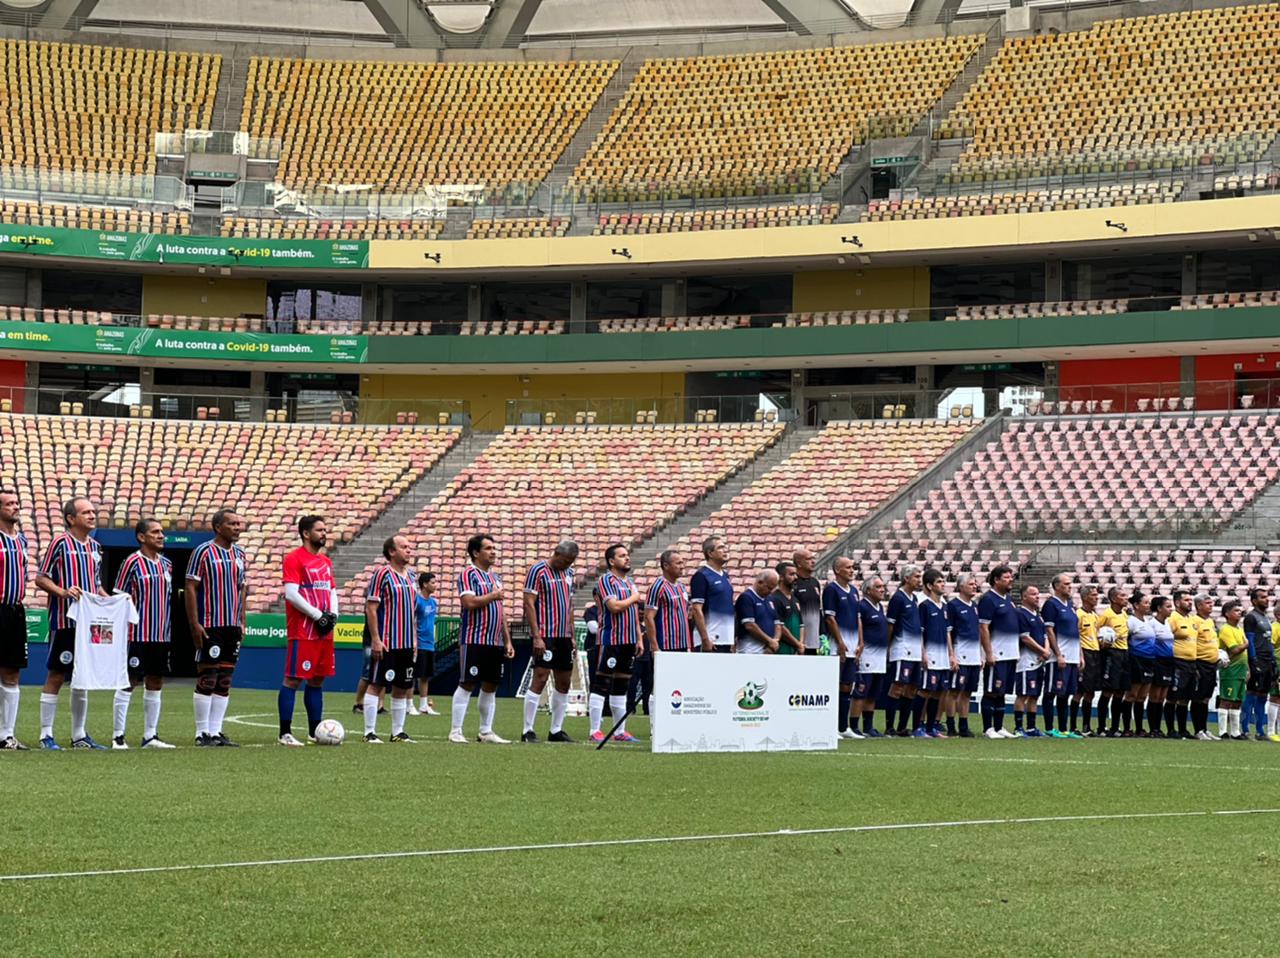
[434, 257]
[852, 240]
[621, 252]
[1117, 226]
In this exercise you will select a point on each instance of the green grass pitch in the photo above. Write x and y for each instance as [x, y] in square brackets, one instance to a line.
[1198, 885]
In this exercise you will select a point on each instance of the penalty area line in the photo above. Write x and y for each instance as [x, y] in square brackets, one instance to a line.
[625, 842]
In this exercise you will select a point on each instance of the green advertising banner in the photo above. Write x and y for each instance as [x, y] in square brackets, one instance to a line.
[189, 250]
[183, 343]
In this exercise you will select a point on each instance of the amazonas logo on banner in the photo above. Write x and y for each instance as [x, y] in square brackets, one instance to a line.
[744, 703]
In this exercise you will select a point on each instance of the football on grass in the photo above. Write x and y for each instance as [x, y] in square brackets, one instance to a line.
[330, 732]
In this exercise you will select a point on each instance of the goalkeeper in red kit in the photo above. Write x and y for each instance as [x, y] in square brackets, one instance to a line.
[311, 612]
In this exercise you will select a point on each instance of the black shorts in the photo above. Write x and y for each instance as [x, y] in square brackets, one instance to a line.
[424, 664]
[62, 652]
[13, 637]
[221, 646]
[1116, 669]
[482, 663]
[147, 659]
[1091, 674]
[393, 670]
[1206, 679]
[1142, 669]
[617, 659]
[1185, 680]
[557, 656]
[1164, 673]
[1261, 678]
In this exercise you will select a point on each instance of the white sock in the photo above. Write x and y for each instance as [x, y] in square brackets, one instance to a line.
[531, 699]
[488, 703]
[370, 712]
[79, 712]
[201, 704]
[120, 711]
[150, 712]
[48, 712]
[559, 705]
[461, 699]
[649, 706]
[1233, 721]
[595, 709]
[618, 706]
[217, 711]
[1271, 718]
[9, 710]
[399, 709]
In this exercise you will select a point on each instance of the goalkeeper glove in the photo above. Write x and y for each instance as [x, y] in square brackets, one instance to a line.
[326, 622]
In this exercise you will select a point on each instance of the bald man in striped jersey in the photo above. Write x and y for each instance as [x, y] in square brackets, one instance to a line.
[548, 613]
[217, 586]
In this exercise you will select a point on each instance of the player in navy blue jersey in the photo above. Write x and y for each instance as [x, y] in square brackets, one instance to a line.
[872, 655]
[217, 585]
[966, 643]
[13, 618]
[939, 662]
[147, 577]
[905, 650]
[711, 596]
[1062, 671]
[390, 607]
[619, 603]
[484, 639]
[1034, 651]
[548, 614]
[72, 565]
[840, 620]
[998, 630]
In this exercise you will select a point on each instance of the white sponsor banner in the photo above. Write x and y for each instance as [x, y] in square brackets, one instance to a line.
[744, 703]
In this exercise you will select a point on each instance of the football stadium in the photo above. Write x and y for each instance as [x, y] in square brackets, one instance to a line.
[569, 477]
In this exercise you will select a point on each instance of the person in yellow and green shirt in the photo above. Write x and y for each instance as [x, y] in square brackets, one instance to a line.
[1185, 678]
[1091, 673]
[1273, 701]
[1234, 676]
[1206, 666]
[1115, 665]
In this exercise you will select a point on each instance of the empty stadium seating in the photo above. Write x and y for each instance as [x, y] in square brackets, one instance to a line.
[1137, 87]
[1078, 307]
[597, 484]
[1222, 571]
[833, 482]
[181, 472]
[293, 227]
[401, 127]
[1247, 182]
[518, 228]
[1269, 297]
[75, 107]
[101, 218]
[744, 218]
[513, 327]
[1028, 485]
[766, 123]
[1030, 201]
[675, 324]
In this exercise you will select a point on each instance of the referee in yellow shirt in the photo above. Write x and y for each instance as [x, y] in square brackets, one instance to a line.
[1185, 677]
[1115, 665]
[1206, 666]
[1091, 674]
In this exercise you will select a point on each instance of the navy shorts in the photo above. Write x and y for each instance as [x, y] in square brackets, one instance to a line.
[998, 679]
[1061, 681]
[936, 680]
[868, 685]
[1029, 682]
[903, 672]
[62, 652]
[966, 678]
[848, 671]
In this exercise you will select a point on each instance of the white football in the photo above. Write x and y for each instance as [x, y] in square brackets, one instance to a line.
[1106, 636]
[330, 732]
[1223, 659]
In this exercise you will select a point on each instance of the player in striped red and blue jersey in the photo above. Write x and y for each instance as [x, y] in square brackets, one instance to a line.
[484, 639]
[548, 614]
[147, 577]
[618, 600]
[72, 565]
[13, 618]
[390, 604]
[217, 583]
[666, 614]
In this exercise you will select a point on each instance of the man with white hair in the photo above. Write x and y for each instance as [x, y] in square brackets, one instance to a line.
[905, 653]
[756, 622]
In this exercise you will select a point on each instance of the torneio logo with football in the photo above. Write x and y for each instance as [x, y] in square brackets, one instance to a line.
[751, 696]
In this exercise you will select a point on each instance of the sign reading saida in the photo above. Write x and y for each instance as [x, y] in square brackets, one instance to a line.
[191, 250]
[183, 344]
